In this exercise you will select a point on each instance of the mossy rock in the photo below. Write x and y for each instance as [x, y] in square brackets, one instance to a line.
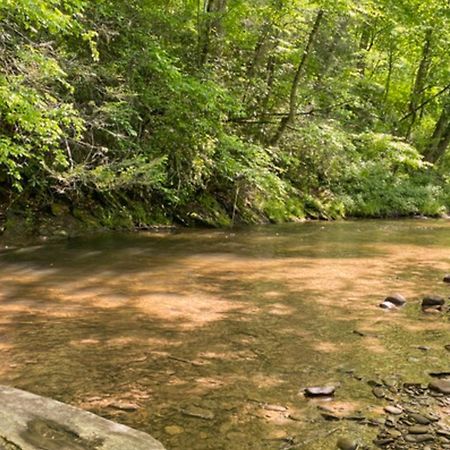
[86, 218]
[206, 211]
[59, 209]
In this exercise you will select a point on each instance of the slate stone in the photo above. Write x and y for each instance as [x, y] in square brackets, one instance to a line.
[31, 422]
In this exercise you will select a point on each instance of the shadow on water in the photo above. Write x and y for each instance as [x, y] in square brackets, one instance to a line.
[205, 339]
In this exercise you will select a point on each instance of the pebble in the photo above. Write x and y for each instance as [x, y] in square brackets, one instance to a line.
[418, 429]
[379, 393]
[296, 417]
[424, 348]
[393, 410]
[383, 441]
[200, 413]
[124, 406]
[276, 408]
[345, 443]
[440, 374]
[443, 432]
[330, 416]
[418, 418]
[395, 434]
[317, 391]
[442, 386]
[418, 438]
[173, 430]
[432, 417]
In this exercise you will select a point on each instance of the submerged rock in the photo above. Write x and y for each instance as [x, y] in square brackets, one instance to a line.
[345, 443]
[200, 413]
[418, 429]
[276, 408]
[419, 418]
[173, 430]
[394, 410]
[378, 392]
[418, 438]
[440, 374]
[442, 386]
[432, 301]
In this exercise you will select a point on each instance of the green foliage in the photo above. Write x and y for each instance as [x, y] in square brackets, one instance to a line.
[391, 179]
[152, 110]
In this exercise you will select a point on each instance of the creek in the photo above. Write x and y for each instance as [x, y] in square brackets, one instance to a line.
[206, 338]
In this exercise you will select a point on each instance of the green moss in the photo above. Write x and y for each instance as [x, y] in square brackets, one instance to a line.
[207, 211]
[59, 209]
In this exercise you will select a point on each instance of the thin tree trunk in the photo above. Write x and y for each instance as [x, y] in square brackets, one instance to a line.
[286, 121]
[329, 63]
[387, 86]
[419, 82]
[260, 50]
[364, 44]
[270, 77]
[212, 25]
[440, 139]
[270, 80]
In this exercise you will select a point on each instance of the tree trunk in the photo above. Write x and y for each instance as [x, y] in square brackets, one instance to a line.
[212, 11]
[364, 44]
[440, 139]
[419, 83]
[286, 121]
[387, 86]
[260, 51]
[330, 61]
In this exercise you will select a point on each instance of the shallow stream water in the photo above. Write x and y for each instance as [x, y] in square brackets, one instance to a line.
[206, 338]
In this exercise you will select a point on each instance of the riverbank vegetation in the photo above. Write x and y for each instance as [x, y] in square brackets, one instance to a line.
[128, 113]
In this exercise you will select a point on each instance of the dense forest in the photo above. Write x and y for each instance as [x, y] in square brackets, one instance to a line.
[130, 113]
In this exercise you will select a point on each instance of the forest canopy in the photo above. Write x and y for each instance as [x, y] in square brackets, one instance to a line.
[129, 113]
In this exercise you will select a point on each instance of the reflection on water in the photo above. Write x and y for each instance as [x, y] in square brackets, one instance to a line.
[205, 338]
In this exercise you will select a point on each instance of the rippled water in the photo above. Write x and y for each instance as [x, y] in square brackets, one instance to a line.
[149, 328]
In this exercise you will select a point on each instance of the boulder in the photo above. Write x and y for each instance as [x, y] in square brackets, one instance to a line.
[31, 422]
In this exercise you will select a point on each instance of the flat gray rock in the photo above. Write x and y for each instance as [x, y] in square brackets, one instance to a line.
[31, 422]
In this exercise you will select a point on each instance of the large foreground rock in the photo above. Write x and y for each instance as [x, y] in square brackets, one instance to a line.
[31, 422]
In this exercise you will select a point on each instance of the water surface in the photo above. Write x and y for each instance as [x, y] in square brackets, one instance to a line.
[149, 328]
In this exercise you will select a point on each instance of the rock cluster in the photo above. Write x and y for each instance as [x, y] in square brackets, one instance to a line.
[412, 422]
[430, 303]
